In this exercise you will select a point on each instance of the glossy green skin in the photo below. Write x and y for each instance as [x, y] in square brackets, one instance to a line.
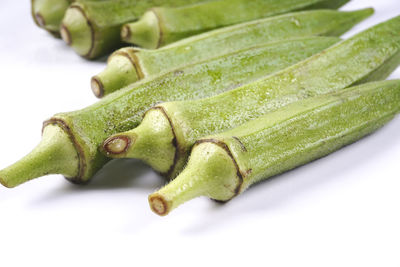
[226, 40]
[124, 109]
[106, 18]
[174, 24]
[282, 140]
[359, 58]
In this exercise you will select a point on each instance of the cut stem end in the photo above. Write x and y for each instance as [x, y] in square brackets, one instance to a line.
[159, 205]
[125, 33]
[117, 145]
[65, 35]
[97, 87]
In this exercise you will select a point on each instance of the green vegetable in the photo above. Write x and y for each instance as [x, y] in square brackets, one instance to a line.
[48, 14]
[163, 25]
[169, 130]
[92, 29]
[128, 65]
[224, 165]
[85, 130]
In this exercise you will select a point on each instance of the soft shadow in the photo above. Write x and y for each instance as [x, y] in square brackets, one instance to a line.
[282, 189]
[116, 175]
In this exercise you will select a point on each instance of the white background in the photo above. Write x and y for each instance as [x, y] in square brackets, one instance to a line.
[342, 210]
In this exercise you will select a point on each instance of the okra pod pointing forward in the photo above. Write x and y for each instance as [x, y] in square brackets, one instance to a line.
[128, 65]
[48, 14]
[163, 25]
[224, 165]
[74, 151]
[92, 29]
[169, 130]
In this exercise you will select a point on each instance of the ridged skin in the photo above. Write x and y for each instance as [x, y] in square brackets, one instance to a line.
[230, 39]
[123, 110]
[279, 141]
[338, 67]
[174, 24]
[315, 128]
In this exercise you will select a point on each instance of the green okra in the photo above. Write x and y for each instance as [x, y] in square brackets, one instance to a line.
[92, 29]
[128, 65]
[169, 130]
[222, 166]
[164, 25]
[48, 14]
[71, 148]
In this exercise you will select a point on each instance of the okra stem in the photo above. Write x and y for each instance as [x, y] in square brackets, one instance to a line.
[224, 165]
[164, 25]
[129, 65]
[55, 154]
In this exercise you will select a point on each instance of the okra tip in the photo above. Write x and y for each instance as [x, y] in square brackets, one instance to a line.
[55, 154]
[211, 171]
[122, 70]
[154, 141]
[145, 32]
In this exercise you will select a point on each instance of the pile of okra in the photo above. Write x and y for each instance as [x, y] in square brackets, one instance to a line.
[215, 95]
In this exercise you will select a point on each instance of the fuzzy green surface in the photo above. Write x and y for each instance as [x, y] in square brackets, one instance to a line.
[123, 110]
[173, 24]
[230, 39]
[55, 154]
[339, 66]
[289, 137]
[210, 172]
[106, 19]
[231, 71]
[310, 129]
[88, 128]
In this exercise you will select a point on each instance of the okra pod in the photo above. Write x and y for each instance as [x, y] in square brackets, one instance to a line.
[48, 14]
[164, 25]
[128, 65]
[222, 166]
[77, 136]
[169, 130]
[92, 29]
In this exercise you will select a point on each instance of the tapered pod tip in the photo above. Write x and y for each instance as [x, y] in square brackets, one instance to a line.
[211, 171]
[56, 154]
[122, 69]
[117, 145]
[159, 205]
[145, 32]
